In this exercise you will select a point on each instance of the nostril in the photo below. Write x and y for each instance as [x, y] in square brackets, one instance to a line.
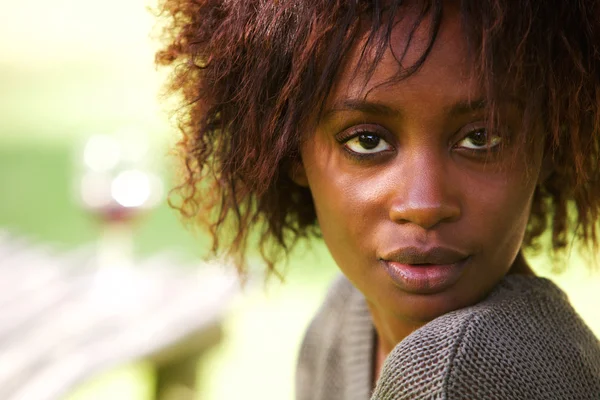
[424, 214]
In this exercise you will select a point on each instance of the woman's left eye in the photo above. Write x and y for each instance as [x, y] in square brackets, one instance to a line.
[479, 139]
[367, 143]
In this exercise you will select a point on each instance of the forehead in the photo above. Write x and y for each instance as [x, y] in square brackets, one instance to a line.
[445, 74]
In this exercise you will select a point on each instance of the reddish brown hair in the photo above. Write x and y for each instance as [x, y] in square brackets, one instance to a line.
[252, 74]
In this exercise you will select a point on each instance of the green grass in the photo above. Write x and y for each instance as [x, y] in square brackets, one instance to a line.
[38, 199]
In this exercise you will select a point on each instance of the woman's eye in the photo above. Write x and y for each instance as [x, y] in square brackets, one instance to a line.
[479, 139]
[367, 143]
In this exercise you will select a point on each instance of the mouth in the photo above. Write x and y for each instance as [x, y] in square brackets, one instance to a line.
[425, 271]
[437, 255]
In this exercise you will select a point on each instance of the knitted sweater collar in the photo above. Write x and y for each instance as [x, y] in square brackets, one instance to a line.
[358, 350]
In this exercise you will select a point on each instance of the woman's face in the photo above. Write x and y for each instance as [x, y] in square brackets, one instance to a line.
[421, 207]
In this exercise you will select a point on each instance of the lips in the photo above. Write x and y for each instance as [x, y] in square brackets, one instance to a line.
[432, 255]
[425, 271]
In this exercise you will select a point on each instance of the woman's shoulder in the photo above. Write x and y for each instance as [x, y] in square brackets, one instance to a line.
[340, 301]
[524, 341]
[335, 360]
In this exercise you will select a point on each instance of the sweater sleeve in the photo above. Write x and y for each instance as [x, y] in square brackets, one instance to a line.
[524, 341]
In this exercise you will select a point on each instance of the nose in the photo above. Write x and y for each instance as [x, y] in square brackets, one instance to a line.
[425, 195]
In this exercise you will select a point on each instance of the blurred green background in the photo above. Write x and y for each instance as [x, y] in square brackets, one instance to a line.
[72, 68]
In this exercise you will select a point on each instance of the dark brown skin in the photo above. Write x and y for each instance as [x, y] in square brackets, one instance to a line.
[427, 181]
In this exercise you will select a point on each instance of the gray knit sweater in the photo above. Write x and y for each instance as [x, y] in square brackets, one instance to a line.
[524, 341]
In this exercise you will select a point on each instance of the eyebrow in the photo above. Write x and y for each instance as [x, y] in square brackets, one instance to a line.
[466, 107]
[461, 107]
[364, 106]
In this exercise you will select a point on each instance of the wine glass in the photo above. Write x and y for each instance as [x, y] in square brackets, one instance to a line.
[117, 182]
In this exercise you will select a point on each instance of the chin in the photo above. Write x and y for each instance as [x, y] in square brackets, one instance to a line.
[423, 308]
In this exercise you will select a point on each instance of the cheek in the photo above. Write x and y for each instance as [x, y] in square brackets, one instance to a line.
[498, 210]
[344, 208]
[348, 204]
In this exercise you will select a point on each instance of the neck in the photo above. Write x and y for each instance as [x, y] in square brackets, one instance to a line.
[390, 332]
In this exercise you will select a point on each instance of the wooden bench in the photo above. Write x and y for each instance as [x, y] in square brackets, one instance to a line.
[63, 319]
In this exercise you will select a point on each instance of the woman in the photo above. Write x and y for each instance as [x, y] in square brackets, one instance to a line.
[428, 143]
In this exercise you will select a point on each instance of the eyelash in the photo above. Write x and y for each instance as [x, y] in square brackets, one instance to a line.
[347, 135]
[491, 137]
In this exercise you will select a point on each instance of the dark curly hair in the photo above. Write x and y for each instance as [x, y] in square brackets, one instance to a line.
[252, 74]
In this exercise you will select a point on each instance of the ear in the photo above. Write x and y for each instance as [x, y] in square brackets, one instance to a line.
[297, 173]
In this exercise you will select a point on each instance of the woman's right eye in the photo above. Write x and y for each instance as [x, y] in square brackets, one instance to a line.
[367, 143]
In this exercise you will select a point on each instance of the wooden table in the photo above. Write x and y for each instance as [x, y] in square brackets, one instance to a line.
[63, 319]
